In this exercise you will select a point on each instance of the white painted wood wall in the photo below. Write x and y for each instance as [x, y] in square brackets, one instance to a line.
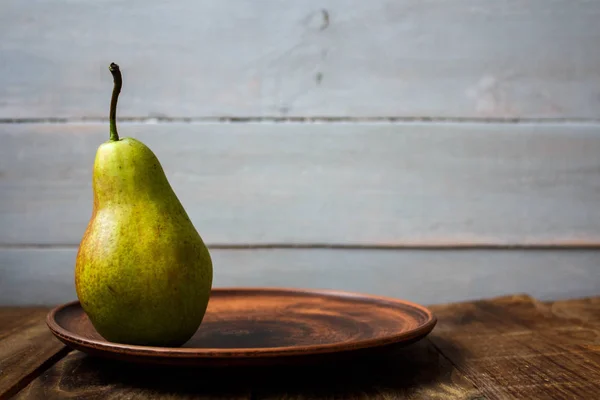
[432, 150]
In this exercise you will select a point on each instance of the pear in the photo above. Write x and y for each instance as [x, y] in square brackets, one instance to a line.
[143, 274]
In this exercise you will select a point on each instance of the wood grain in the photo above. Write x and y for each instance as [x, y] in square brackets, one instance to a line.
[463, 58]
[510, 347]
[581, 311]
[349, 184]
[45, 276]
[107, 379]
[416, 372]
[515, 348]
[27, 347]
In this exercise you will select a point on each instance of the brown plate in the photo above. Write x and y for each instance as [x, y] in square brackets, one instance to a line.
[266, 326]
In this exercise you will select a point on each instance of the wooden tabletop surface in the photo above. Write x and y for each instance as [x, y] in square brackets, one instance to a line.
[500, 348]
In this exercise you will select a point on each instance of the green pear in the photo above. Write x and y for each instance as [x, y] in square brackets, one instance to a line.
[143, 274]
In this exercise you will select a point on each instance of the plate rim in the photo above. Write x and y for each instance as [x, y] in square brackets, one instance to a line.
[73, 339]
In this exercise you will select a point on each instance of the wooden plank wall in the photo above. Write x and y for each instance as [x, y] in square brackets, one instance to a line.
[350, 58]
[431, 150]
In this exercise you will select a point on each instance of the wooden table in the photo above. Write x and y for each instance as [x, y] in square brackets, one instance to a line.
[501, 348]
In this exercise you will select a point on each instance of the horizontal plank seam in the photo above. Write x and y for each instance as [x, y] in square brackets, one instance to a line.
[420, 246]
[27, 379]
[299, 119]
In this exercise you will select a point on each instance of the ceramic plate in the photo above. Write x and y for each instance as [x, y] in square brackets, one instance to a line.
[266, 326]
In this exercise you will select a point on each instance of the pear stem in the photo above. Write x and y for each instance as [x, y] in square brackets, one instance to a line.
[118, 80]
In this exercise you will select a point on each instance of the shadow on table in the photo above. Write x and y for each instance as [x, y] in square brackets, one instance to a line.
[417, 370]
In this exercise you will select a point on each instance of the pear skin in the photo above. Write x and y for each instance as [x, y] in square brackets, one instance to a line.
[143, 274]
